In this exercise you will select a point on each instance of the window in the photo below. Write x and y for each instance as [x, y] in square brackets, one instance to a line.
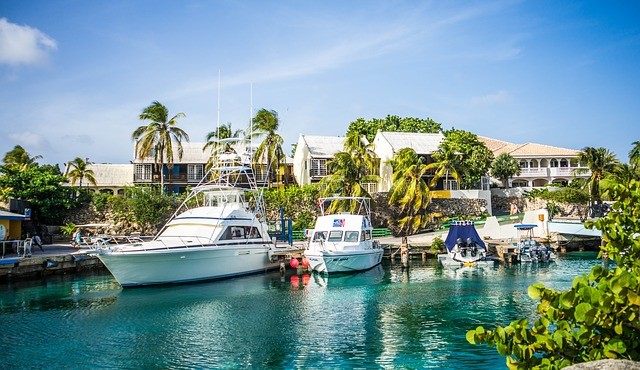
[320, 236]
[554, 163]
[564, 163]
[519, 184]
[318, 167]
[351, 236]
[524, 164]
[367, 234]
[450, 185]
[335, 236]
[195, 172]
[370, 187]
[143, 171]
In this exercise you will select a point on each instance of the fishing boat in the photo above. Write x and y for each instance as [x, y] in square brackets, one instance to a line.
[530, 250]
[464, 247]
[343, 241]
[215, 233]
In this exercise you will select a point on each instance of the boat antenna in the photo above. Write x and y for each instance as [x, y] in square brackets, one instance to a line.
[218, 119]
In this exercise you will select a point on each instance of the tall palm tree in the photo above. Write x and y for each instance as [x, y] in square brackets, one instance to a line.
[18, 156]
[78, 170]
[505, 167]
[447, 162]
[350, 169]
[634, 154]
[269, 152]
[216, 144]
[600, 162]
[159, 136]
[409, 191]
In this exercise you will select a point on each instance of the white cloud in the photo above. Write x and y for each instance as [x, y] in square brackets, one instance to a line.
[23, 44]
[491, 99]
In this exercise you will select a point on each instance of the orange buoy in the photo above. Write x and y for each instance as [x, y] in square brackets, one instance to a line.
[305, 262]
[294, 263]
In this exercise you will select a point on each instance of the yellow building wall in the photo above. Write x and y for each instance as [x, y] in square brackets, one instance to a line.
[440, 193]
[14, 228]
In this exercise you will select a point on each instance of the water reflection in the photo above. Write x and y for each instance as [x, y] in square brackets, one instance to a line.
[388, 316]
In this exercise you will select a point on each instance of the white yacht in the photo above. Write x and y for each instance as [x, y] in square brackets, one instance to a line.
[464, 247]
[343, 241]
[214, 234]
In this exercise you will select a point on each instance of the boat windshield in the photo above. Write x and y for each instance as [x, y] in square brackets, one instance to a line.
[351, 236]
[191, 230]
[335, 236]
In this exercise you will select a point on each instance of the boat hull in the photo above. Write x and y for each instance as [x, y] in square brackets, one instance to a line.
[183, 265]
[332, 262]
[447, 260]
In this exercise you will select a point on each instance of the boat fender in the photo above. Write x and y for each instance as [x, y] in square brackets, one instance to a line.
[305, 262]
[294, 263]
[49, 263]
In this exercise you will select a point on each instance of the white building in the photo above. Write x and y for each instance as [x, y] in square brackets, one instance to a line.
[311, 157]
[540, 165]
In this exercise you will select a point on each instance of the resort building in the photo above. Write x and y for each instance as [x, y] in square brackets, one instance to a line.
[540, 165]
[312, 155]
[110, 178]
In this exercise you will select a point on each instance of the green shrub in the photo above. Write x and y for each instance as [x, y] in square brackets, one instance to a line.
[598, 318]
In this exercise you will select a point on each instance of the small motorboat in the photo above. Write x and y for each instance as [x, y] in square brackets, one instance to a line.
[464, 247]
[343, 241]
[530, 250]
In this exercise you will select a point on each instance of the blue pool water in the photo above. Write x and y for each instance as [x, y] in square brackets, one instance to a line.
[382, 318]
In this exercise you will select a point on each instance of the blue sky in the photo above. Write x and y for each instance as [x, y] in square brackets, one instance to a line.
[75, 75]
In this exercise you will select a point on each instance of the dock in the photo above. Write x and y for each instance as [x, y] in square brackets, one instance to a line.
[55, 259]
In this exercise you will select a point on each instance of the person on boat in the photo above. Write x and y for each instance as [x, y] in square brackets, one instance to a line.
[460, 247]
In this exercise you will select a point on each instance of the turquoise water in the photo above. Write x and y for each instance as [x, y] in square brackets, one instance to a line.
[383, 318]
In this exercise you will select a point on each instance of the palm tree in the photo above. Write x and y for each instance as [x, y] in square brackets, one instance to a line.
[634, 154]
[19, 157]
[78, 169]
[504, 167]
[447, 162]
[350, 169]
[159, 136]
[269, 151]
[409, 191]
[215, 141]
[600, 162]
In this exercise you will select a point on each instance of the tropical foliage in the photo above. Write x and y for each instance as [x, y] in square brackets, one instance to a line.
[78, 170]
[409, 192]
[369, 128]
[600, 162]
[18, 156]
[41, 186]
[504, 167]
[217, 144]
[269, 152]
[350, 169]
[144, 206]
[298, 204]
[598, 318]
[158, 138]
[446, 163]
[474, 157]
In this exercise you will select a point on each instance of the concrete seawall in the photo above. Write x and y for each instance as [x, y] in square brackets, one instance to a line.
[55, 259]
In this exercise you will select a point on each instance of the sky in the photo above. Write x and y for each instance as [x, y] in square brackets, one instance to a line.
[75, 75]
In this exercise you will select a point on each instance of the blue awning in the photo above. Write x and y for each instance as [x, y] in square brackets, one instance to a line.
[4, 215]
[462, 230]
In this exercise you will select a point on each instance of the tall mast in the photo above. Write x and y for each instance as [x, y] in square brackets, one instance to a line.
[218, 120]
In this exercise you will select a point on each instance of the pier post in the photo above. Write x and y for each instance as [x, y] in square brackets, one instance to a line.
[404, 252]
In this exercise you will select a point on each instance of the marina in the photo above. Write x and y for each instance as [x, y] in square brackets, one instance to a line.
[412, 317]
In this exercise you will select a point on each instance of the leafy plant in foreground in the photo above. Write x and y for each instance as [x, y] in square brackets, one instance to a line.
[598, 318]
